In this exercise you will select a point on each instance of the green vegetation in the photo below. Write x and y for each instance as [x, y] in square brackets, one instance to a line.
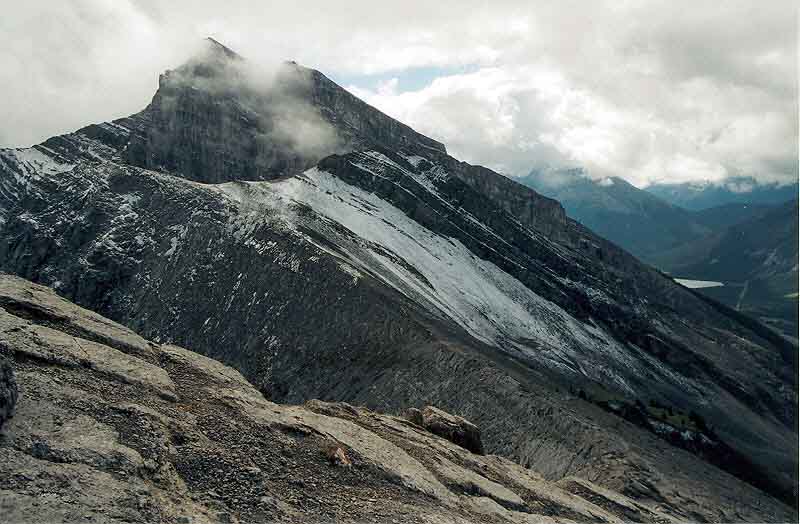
[638, 412]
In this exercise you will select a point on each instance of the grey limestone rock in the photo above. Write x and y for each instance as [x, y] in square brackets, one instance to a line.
[454, 428]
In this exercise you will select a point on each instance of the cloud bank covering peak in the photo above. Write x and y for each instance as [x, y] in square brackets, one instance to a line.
[650, 91]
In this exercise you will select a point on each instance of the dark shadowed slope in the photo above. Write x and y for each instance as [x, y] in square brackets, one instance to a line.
[724, 216]
[757, 260]
[614, 209]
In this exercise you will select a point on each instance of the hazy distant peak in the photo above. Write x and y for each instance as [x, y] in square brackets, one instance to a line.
[556, 177]
[707, 194]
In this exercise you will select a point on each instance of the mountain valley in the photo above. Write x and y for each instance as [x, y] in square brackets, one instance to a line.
[747, 252]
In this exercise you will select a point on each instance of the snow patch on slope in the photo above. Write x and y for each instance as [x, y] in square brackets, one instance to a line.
[23, 166]
[441, 272]
[35, 163]
[698, 284]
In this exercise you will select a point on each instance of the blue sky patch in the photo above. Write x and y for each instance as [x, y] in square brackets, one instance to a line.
[412, 79]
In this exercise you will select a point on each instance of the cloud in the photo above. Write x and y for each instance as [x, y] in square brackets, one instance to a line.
[645, 90]
[491, 116]
[273, 97]
[642, 91]
[68, 64]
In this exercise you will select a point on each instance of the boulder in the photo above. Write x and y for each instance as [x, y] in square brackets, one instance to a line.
[451, 427]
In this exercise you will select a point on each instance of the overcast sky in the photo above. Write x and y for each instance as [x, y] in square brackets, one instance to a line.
[646, 90]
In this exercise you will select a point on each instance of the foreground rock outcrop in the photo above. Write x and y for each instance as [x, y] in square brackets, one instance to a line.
[111, 428]
[454, 428]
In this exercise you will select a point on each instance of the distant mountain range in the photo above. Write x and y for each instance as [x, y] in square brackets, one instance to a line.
[751, 248]
[642, 223]
[756, 260]
[736, 190]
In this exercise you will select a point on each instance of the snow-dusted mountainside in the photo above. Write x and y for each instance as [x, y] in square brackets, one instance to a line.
[439, 272]
[376, 269]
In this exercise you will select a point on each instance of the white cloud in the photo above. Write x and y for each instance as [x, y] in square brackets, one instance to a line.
[494, 116]
[645, 90]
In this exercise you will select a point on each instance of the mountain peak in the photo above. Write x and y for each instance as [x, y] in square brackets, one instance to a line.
[216, 47]
[276, 121]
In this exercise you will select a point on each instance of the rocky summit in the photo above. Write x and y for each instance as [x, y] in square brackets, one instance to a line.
[274, 222]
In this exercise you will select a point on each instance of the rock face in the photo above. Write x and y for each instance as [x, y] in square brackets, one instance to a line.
[101, 441]
[389, 275]
[453, 428]
[8, 387]
[253, 125]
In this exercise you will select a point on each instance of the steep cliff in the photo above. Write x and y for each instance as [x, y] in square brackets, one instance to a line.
[217, 118]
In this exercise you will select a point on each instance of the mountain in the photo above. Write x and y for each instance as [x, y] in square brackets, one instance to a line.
[726, 215]
[750, 248]
[756, 260]
[734, 190]
[155, 433]
[280, 225]
[614, 209]
[635, 219]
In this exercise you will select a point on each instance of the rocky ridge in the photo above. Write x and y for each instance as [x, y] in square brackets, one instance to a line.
[111, 427]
